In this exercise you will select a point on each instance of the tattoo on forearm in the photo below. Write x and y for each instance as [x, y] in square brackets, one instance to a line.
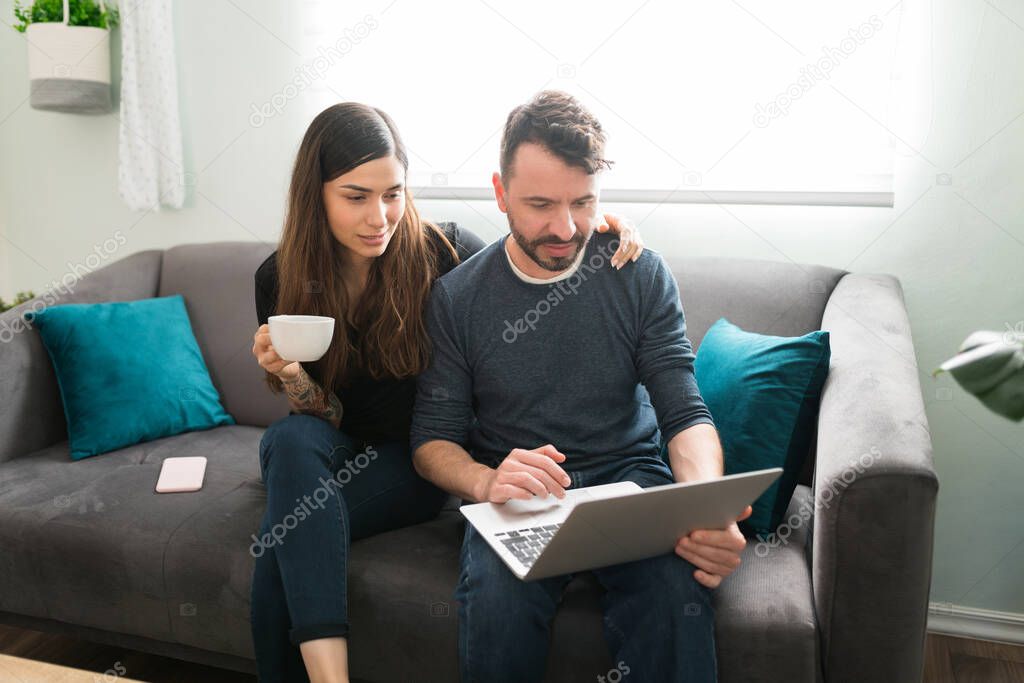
[309, 397]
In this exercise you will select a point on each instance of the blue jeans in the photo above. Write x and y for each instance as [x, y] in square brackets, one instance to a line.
[658, 620]
[324, 490]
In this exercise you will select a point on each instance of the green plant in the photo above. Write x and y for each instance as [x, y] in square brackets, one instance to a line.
[82, 13]
[20, 298]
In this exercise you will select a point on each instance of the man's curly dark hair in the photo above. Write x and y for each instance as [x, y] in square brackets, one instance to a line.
[561, 124]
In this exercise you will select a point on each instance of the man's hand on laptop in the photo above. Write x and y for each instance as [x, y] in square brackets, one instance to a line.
[715, 552]
[524, 474]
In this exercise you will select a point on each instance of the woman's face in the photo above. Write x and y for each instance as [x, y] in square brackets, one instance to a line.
[365, 205]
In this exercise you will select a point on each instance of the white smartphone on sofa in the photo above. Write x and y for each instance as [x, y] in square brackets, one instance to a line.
[178, 475]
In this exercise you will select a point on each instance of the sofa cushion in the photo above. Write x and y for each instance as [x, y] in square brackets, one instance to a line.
[129, 371]
[402, 582]
[782, 298]
[763, 393]
[86, 542]
[31, 414]
[765, 620]
[89, 543]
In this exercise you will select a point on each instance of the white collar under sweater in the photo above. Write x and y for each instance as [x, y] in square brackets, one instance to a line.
[538, 280]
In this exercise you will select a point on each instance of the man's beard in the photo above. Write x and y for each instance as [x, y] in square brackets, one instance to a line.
[552, 263]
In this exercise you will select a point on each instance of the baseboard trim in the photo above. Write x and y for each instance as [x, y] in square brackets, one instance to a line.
[973, 622]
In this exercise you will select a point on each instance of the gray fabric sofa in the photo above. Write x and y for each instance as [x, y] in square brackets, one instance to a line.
[88, 549]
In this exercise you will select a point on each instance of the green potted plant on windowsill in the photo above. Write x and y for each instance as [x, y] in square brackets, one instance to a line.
[68, 53]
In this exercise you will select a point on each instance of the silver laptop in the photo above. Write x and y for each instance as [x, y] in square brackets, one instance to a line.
[598, 526]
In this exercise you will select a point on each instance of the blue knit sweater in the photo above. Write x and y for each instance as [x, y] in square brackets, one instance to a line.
[597, 364]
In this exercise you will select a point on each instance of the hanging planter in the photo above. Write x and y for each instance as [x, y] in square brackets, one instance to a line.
[68, 54]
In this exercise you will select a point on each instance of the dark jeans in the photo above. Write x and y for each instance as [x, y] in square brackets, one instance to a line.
[324, 490]
[658, 620]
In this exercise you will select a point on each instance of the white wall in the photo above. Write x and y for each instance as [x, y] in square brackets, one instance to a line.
[958, 248]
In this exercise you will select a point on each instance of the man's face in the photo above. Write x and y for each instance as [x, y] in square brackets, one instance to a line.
[552, 207]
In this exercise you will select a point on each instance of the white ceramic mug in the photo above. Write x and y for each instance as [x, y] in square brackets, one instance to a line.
[302, 338]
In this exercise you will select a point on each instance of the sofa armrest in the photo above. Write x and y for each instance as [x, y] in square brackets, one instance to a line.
[31, 412]
[875, 489]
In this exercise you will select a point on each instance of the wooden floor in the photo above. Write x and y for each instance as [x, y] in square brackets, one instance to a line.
[101, 662]
[959, 660]
[31, 657]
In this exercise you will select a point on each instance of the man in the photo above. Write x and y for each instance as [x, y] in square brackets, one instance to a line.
[516, 331]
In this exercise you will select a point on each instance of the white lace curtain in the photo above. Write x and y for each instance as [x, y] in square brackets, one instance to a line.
[151, 171]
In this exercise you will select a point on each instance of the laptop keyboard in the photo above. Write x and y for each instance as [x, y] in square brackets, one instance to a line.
[526, 544]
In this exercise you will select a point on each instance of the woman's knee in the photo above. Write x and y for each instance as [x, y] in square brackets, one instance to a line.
[298, 440]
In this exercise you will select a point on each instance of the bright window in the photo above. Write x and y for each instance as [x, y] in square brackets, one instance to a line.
[715, 99]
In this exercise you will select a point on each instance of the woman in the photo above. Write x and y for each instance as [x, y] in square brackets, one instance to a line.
[338, 467]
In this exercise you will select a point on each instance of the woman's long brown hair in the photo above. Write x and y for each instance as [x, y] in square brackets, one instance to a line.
[388, 318]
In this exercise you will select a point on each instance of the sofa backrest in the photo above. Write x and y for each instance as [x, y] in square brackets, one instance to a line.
[31, 411]
[768, 297]
[217, 282]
